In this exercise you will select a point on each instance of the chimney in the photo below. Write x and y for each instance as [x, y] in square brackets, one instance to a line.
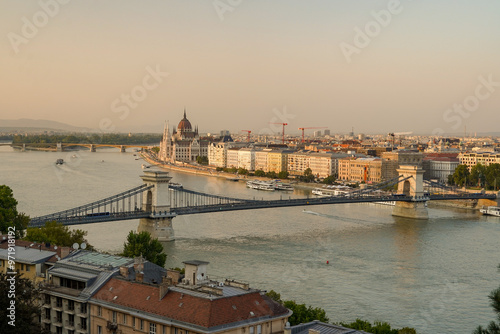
[166, 282]
[138, 264]
[139, 277]
[124, 271]
[65, 252]
[174, 275]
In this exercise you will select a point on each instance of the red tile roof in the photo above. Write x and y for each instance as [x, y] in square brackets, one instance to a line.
[187, 308]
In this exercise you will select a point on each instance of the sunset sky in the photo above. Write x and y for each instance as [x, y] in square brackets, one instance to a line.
[240, 64]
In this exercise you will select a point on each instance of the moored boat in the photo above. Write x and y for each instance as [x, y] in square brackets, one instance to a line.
[261, 185]
[490, 211]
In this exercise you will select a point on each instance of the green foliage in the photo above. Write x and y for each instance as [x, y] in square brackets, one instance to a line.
[492, 175]
[155, 149]
[141, 244]
[377, 327]
[231, 170]
[302, 313]
[57, 234]
[27, 310]
[461, 175]
[9, 217]
[272, 175]
[202, 160]
[477, 175]
[181, 271]
[242, 171]
[308, 176]
[219, 169]
[94, 138]
[493, 327]
[283, 175]
[329, 179]
[260, 173]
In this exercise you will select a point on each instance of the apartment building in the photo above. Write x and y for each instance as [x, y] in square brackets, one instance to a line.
[261, 159]
[277, 160]
[484, 158]
[367, 170]
[194, 305]
[246, 158]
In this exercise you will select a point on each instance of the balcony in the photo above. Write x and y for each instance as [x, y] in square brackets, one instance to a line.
[69, 324]
[57, 321]
[60, 289]
[112, 326]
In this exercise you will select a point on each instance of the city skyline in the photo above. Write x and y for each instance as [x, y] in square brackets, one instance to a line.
[377, 66]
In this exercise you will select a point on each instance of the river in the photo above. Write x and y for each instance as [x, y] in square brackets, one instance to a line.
[434, 275]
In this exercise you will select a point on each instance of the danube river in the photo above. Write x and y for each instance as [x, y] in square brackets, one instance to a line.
[433, 275]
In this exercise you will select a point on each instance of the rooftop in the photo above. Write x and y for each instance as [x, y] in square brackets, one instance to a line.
[27, 255]
[323, 328]
[99, 261]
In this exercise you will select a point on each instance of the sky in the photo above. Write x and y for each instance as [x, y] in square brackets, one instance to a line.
[426, 66]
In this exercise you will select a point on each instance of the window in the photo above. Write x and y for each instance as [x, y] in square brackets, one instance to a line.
[22, 266]
[99, 311]
[71, 332]
[99, 330]
[252, 330]
[114, 316]
[133, 322]
[83, 323]
[152, 328]
[59, 316]
[124, 318]
[71, 320]
[259, 329]
[58, 330]
[59, 302]
[27, 268]
[71, 305]
[47, 313]
[47, 327]
[47, 299]
[83, 308]
[141, 324]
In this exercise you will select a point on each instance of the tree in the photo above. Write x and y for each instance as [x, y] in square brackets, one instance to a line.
[271, 175]
[283, 175]
[477, 175]
[377, 327]
[202, 160]
[329, 179]
[27, 307]
[492, 175]
[308, 175]
[141, 244]
[493, 327]
[9, 217]
[301, 312]
[155, 149]
[57, 234]
[242, 171]
[461, 175]
[260, 172]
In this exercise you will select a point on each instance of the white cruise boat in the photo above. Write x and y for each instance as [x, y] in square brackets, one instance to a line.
[332, 191]
[491, 211]
[261, 185]
[278, 185]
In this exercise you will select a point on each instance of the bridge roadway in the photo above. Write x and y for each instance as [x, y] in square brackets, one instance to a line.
[251, 205]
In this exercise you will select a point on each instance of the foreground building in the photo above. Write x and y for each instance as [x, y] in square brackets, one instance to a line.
[194, 304]
[368, 170]
[484, 158]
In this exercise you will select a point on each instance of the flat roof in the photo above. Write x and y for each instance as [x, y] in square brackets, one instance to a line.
[27, 255]
[195, 262]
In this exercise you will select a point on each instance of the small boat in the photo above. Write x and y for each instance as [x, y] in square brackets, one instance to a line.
[490, 211]
[278, 185]
[175, 185]
[390, 203]
[59, 161]
[332, 191]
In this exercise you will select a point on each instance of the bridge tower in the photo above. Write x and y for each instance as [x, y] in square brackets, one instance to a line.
[413, 187]
[122, 149]
[157, 201]
[59, 147]
[92, 148]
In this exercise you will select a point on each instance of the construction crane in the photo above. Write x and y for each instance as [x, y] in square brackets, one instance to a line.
[283, 133]
[249, 132]
[313, 127]
[394, 134]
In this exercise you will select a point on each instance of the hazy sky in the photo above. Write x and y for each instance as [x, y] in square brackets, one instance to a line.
[240, 64]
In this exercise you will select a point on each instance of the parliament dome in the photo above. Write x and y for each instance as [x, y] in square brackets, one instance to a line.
[184, 124]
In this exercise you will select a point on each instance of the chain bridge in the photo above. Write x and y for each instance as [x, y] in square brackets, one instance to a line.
[156, 202]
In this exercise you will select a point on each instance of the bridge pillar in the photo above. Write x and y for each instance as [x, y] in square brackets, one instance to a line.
[122, 149]
[414, 187]
[157, 201]
[92, 148]
[24, 148]
[59, 147]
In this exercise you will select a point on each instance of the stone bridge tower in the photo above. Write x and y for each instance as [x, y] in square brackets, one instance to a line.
[157, 201]
[413, 187]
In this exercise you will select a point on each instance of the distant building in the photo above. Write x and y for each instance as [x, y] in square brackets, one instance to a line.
[327, 132]
[484, 158]
[317, 133]
[246, 158]
[217, 151]
[393, 160]
[321, 164]
[277, 160]
[193, 305]
[184, 144]
[367, 170]
[261, 159]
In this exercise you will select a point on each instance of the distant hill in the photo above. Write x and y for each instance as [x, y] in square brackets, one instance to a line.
[29, 125]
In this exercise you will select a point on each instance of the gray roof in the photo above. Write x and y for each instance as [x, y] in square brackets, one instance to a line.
[323, 328]
[195, 262]
[74, 274]
[27, 255]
